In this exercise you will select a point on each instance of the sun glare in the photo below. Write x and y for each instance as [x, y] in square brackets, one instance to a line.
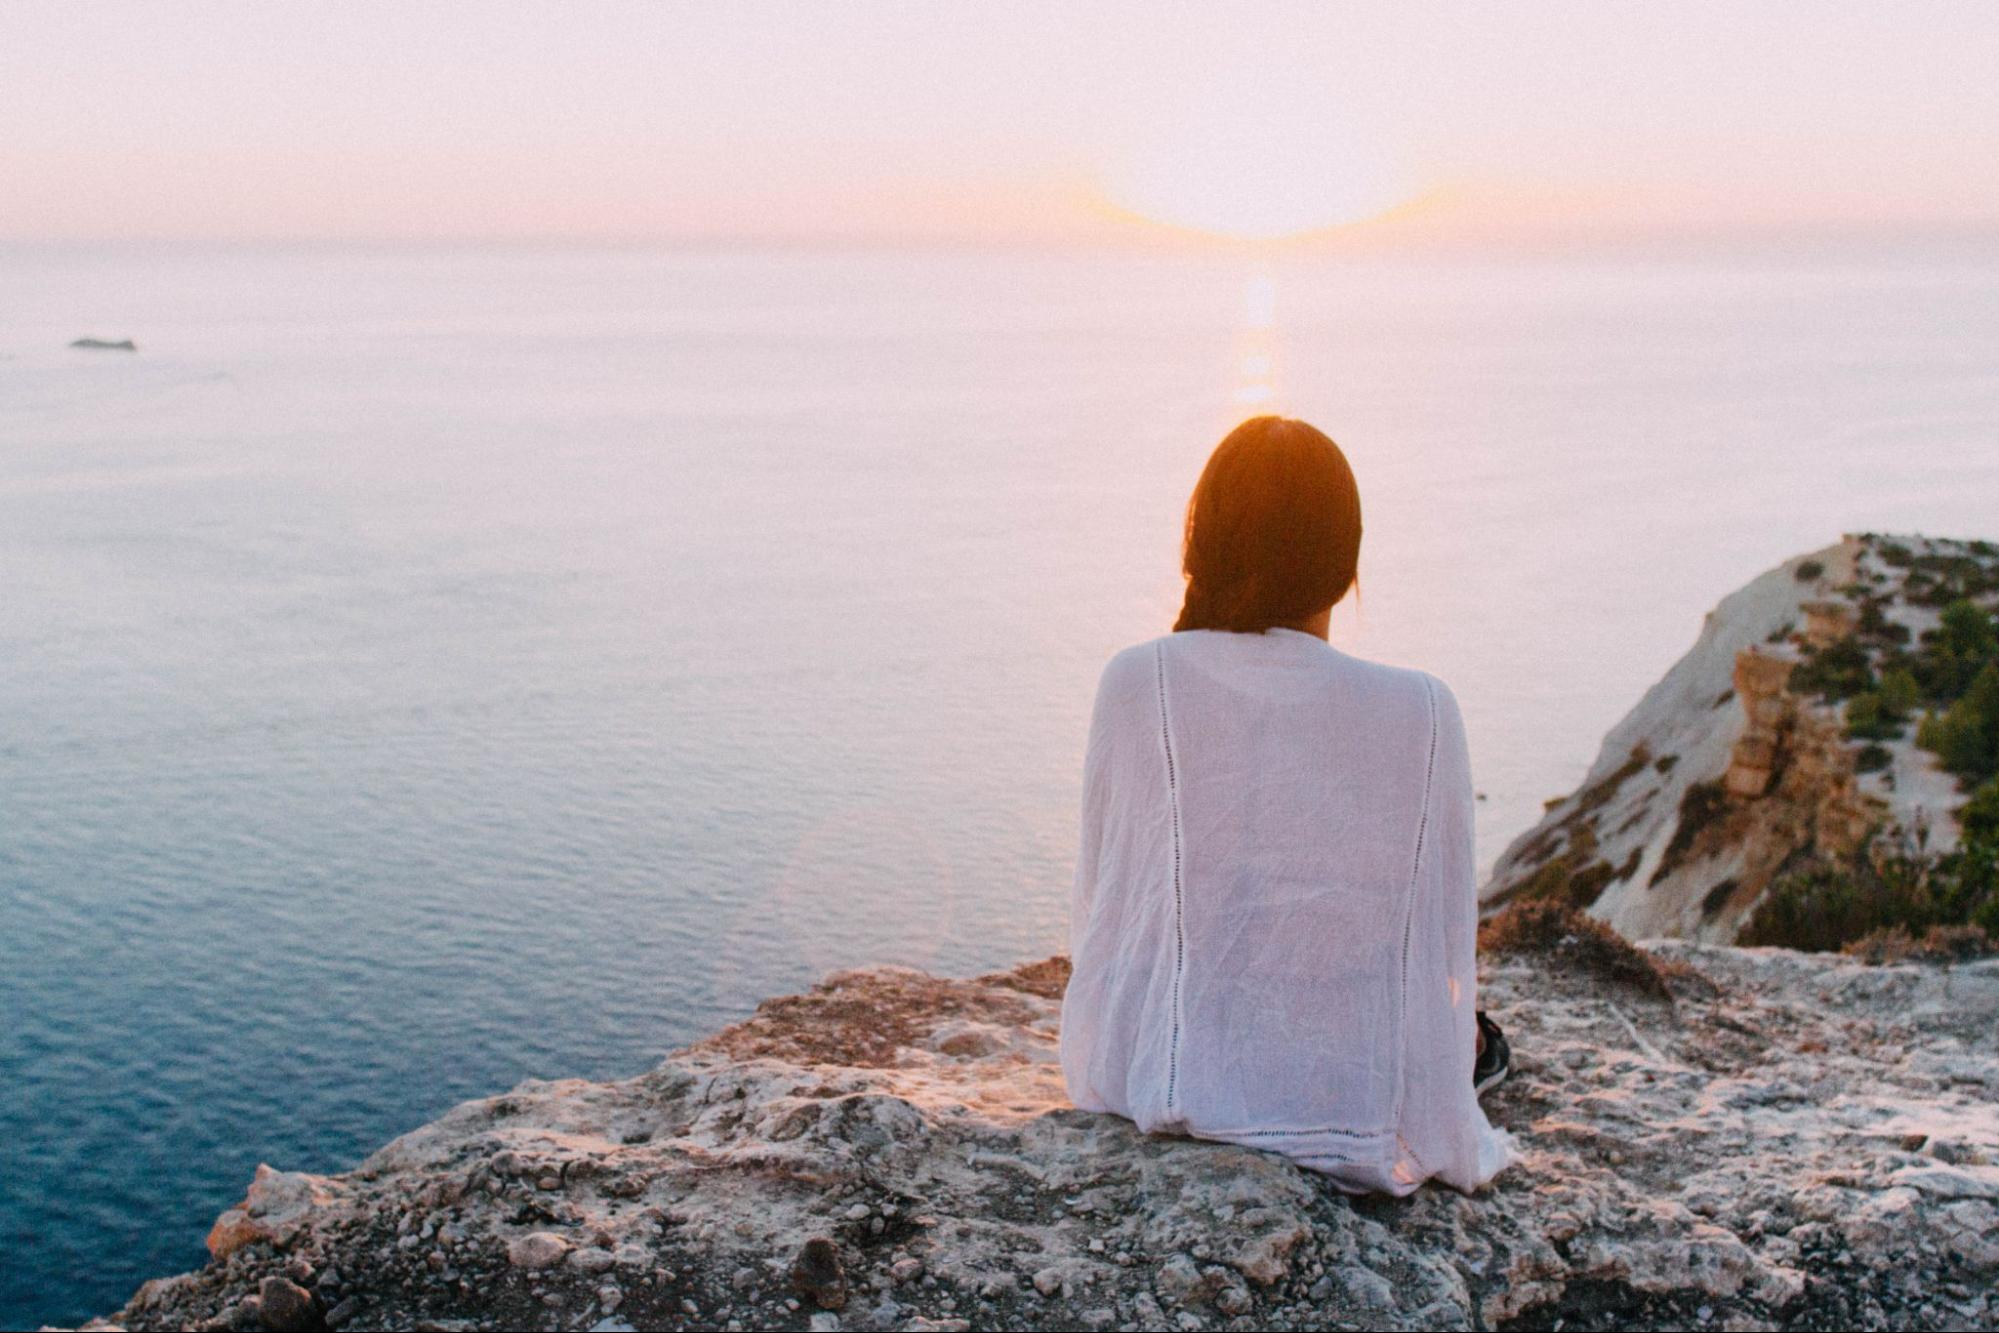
[1252, 161]
[1255, 355]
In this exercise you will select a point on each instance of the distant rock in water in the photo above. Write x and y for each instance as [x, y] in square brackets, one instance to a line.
[106, 345]
[1711, 1137]
[1782, 746]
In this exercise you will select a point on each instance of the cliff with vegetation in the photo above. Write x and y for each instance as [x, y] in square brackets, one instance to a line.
[1711, 1138]
[1819, 768]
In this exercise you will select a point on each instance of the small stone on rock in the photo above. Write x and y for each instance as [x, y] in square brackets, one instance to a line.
[536, 1250]
[283, 1306]
[592, 1260]
[817, 1274]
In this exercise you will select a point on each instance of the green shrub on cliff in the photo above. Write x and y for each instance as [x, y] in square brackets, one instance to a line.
[1830, 907]
[1837, 671]
[1881, 714]
[1965, 736]
[1955, 652]
[1980, 817]
[1939, 580]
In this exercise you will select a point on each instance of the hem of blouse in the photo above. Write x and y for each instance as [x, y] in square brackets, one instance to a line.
[1377, 1151]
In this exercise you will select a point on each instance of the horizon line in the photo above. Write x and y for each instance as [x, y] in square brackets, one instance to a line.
[1369, 238]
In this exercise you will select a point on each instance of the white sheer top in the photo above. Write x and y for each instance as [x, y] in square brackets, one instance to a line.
[1274, 919]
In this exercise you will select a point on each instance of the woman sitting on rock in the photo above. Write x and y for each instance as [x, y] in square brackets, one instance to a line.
[1275, 915]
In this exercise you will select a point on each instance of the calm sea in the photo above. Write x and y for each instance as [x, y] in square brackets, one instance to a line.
[420, 670]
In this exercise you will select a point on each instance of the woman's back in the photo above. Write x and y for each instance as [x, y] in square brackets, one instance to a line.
[1274, 916]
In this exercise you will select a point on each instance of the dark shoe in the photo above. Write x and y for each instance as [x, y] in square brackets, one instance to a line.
[1495, 1062]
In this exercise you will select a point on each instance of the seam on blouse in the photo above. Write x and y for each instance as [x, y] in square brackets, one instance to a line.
[1307, 1133]
[1409, 914]
[1179, 929]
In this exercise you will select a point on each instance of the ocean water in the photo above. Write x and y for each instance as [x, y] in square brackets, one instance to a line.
[423, 669]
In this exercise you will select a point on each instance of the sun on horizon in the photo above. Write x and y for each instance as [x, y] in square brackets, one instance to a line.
[1247, 159]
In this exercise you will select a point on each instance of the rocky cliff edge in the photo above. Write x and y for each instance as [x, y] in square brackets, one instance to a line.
[1712, 1138]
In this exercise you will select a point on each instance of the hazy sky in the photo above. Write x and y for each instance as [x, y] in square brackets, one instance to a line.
[1015, 121]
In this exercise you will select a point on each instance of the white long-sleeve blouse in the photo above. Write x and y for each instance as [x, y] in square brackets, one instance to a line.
[1274, 919]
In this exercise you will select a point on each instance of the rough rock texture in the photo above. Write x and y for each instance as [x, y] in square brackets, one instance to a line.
[1723, 775]
[1765, 1140]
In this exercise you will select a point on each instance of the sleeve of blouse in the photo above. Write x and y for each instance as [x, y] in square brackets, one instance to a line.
[1444, 1123]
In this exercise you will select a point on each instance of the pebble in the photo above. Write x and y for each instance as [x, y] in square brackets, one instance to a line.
[592, 1260]
[1179, 1280]
[816, 1273]
[285, 1307]
[536, 1250]
[1048, 1281]
[1367, 1288]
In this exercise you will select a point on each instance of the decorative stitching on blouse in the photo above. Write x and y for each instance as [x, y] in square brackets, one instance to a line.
[1409, 908]
[1179, 930]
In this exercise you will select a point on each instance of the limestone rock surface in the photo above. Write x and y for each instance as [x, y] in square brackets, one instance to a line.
[1766, 1140]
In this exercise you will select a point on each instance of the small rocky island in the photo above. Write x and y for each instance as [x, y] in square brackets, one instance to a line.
[105, 345]
[1711, 1136]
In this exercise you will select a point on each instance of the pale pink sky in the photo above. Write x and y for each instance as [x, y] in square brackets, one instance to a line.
[1017, 122]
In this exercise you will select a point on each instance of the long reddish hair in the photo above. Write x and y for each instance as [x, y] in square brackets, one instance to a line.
[1273, 529]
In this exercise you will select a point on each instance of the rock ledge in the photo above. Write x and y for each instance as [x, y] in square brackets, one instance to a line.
[1780, 1141]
